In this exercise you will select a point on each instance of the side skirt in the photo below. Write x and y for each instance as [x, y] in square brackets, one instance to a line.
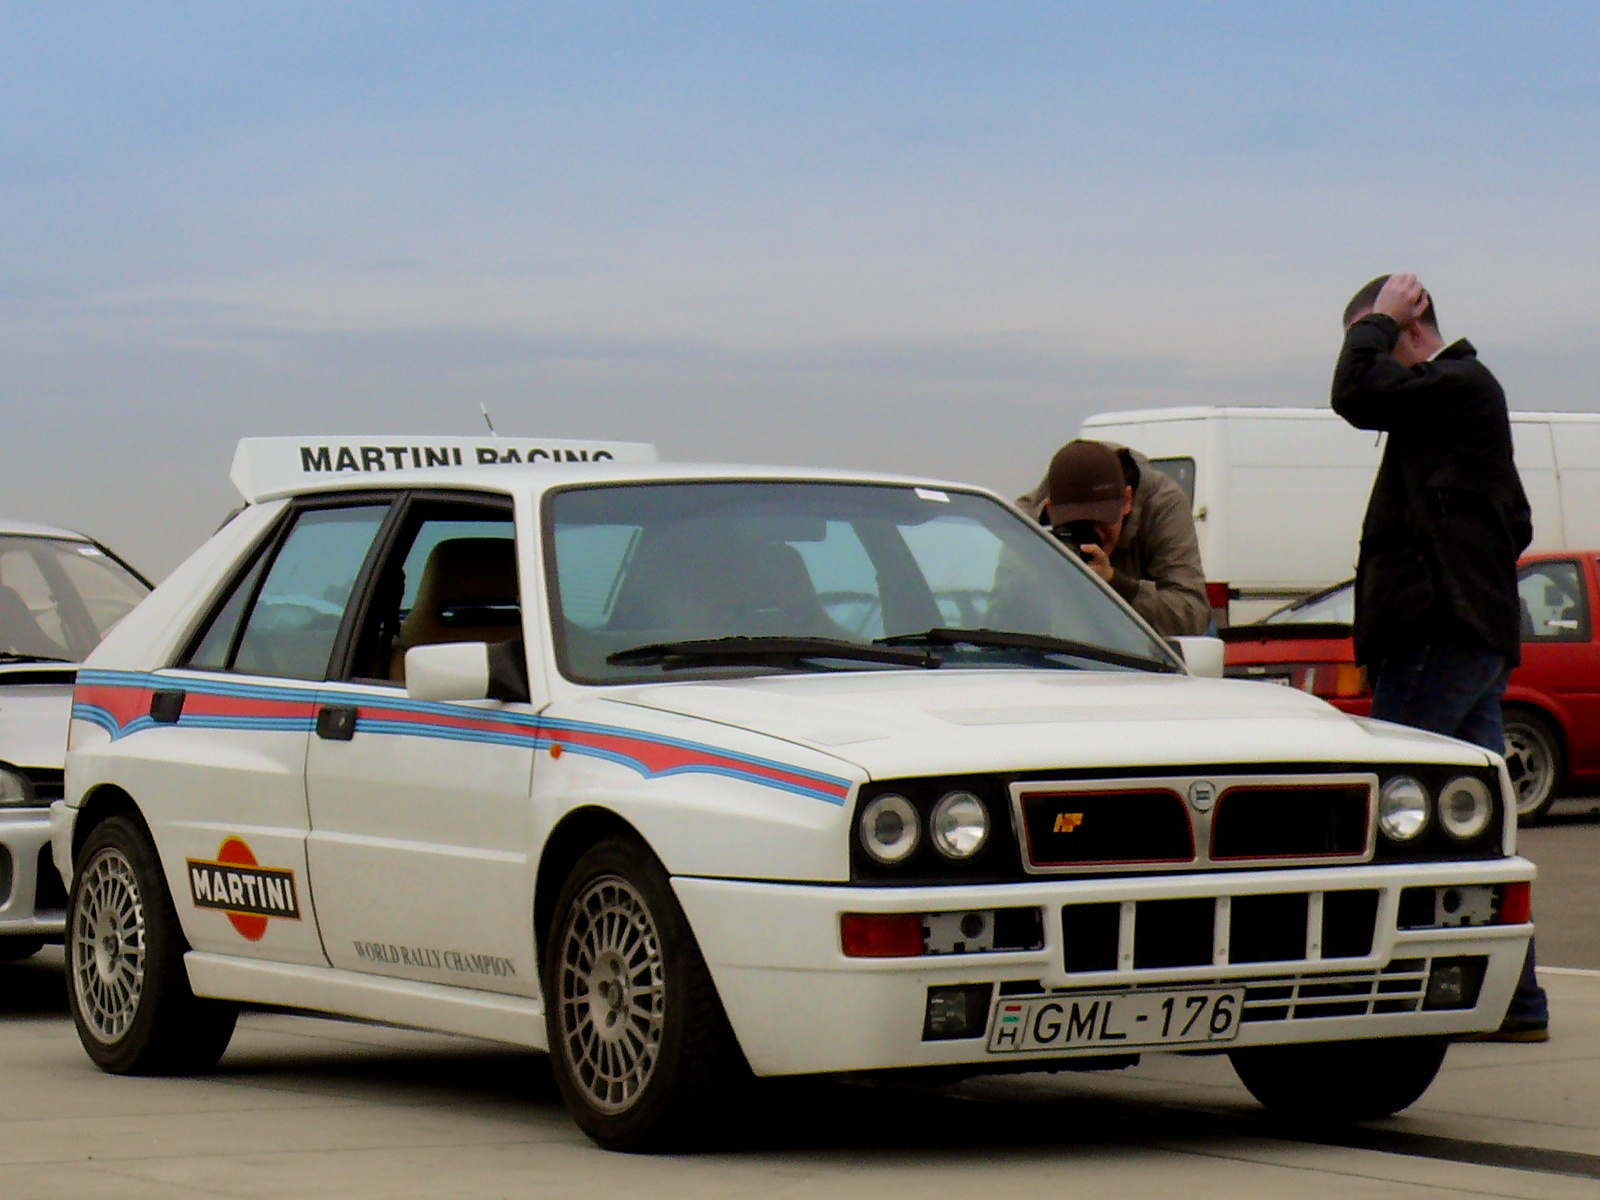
[491, 1015]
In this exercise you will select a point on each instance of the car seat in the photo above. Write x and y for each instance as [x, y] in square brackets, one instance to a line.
[20, 631]
[467, 593]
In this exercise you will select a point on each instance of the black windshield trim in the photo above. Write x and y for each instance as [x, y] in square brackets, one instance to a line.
[941, 635]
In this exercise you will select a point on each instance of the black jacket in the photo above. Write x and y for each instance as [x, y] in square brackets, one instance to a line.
[1448, 518]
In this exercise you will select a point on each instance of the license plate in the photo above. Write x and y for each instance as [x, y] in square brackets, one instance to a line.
[1114, 1020]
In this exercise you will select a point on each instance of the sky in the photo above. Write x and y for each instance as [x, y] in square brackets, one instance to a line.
[925, 238]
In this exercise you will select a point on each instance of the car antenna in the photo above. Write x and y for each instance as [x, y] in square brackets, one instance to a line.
[484, 409]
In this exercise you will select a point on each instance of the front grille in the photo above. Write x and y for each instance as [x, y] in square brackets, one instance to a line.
[1090, 828]
[48, 784]
[1187, 932]
[50, 894]
[1290, 822]
[1398, 988]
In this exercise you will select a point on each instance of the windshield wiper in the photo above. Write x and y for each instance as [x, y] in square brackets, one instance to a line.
[766, 651]
[8, 657]
[1005, 639]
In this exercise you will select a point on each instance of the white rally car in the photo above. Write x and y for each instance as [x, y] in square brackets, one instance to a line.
[685, 773]
[59, 593]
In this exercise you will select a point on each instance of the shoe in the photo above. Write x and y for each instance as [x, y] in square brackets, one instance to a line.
[1514, 1031]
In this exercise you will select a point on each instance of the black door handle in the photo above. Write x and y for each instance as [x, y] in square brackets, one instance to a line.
[336, 722]
[166, 707]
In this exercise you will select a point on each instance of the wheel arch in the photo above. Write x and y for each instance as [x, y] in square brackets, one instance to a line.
[100, 804]
[572, 836]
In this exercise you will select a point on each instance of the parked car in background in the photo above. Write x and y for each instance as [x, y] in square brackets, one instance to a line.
[1552, 707]
[60, 593]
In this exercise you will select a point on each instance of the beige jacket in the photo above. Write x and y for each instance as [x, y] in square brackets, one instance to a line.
[1155, 565]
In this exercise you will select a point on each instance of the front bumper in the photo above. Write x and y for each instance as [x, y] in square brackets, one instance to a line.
[25, 844]
[799, 1006]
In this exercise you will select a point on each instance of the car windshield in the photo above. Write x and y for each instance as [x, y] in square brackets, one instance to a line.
[59, 598]
[690, 579]
[1334, 607]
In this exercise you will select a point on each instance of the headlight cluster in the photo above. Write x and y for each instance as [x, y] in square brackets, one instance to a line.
[891, 827]
[1464, 808]
[16, 789]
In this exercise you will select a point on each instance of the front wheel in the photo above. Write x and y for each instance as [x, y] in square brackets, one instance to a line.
[642, 1051]
[1533, 759]
[126, 983]
[1340, 1081]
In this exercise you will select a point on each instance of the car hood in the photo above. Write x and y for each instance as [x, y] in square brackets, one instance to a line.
[35, 708]
[944, 722]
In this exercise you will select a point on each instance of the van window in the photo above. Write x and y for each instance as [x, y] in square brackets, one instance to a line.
[1180, 471]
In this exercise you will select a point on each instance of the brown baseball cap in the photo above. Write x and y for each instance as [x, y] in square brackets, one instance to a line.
[1086, 483]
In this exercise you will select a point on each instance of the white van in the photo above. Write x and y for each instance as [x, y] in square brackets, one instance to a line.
[1279, 493]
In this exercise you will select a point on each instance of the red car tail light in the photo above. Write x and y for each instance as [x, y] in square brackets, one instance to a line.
[881, 935]
[1343, 681]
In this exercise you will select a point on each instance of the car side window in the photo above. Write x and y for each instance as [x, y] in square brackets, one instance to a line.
[450, 575]
[1555, 603]
[291, 618]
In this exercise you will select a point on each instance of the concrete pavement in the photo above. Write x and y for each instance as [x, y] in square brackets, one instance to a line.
[315, 1108]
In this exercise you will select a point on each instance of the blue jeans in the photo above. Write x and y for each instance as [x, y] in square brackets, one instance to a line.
[1455, 690]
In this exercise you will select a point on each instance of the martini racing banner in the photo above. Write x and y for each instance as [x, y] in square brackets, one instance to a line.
[264, 466]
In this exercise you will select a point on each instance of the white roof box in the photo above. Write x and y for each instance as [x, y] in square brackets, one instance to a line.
[266, 466]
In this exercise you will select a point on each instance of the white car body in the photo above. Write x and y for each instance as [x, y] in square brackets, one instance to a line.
[403, 872]
[35, 708]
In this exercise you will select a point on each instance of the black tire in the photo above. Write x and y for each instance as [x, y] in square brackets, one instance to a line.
[14, 948]
[1335, 1082]
[1535, 761]
[120, 919]
[641, 1048]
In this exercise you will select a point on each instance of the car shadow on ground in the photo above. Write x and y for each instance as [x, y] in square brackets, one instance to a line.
[34, 987]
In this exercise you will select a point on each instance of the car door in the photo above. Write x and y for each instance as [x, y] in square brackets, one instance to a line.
[229, 725]
[420, 813]
[1560, 657]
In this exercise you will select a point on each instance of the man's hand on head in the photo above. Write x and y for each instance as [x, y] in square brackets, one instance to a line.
[1403, 299]
[1094, 557]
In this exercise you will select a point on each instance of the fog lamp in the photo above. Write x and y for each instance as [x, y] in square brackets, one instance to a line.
[16, 789]
[957, 1012]
[1465, 808]
[960, 825]
[1403, 809]
[890, 829]
[1454, 982]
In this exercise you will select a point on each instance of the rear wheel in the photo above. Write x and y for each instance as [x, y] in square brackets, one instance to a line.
[1533, 757]
[14, 949]
[126, 984]
[642, 1051]
[1340, 1081]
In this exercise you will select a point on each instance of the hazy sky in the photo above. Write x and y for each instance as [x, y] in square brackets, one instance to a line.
[922, 237]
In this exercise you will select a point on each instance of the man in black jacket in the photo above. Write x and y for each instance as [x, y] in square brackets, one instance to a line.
[1438, 617]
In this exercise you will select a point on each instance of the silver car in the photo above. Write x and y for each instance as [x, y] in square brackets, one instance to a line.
[60, 593]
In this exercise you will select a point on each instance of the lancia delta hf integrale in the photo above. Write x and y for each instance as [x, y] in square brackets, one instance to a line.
[59, 594]
[691, 773]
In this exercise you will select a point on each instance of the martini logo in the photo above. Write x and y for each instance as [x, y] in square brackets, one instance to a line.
[248, 893]
[1067, 822]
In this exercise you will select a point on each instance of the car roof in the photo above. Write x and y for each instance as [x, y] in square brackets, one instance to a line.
[10, 526]
[522, 478]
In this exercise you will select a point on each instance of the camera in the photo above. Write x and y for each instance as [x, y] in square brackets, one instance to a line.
[1076, 534]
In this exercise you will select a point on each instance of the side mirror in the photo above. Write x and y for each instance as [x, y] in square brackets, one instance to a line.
[467, 671]
[1202, 655]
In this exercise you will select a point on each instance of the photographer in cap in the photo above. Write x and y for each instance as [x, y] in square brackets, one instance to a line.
[1133, 528]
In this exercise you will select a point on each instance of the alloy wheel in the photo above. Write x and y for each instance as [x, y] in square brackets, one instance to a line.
[107, 946]
[611, 990]
[1530, 760]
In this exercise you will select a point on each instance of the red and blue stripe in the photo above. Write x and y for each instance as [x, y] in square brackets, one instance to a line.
[119, 703]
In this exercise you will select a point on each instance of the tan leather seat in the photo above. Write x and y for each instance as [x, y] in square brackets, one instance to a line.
[461, 574]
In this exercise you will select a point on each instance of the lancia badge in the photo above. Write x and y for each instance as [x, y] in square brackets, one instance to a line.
[1202, 794]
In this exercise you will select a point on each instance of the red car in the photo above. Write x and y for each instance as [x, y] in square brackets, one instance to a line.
[1552, 706]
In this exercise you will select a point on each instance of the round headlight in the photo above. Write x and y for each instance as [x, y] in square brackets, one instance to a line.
[1465, 807]
[1402, 809]
[889, 828]
[16, 789]
[960, 825]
